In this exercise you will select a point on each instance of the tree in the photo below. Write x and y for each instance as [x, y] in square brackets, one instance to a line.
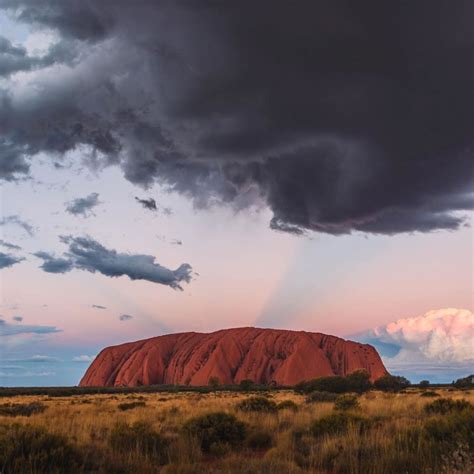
[391, 383]
[359, 381]
[424, 383]
[466, 382]
[214, 382]
[246, 384]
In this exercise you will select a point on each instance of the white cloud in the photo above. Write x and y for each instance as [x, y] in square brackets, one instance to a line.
[83, 358]
[440, 341]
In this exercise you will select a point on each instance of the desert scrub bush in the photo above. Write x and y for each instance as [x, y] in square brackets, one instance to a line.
[25, 449]
[429, 393]
[287, 405]
[139, 438]
[262, 404]
[317, 396]
[443, 406]
[337, 423]
[22, 409]
[259, 440]
[130, 405]
[346, 402]
[216, 429]
[391, 383]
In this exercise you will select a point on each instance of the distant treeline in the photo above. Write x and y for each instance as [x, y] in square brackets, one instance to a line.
[358, 381]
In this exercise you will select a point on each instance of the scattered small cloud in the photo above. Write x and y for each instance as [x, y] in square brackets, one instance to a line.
[83, 206]
[18, 319]
[149, 203]
[87, 254]
[7, 329]
[52, 264]
[98, 306]
[9, 245]
[176, 242]
[83, 358]
[125, 317]
[8, 260]
[41, 358]
[16, 220]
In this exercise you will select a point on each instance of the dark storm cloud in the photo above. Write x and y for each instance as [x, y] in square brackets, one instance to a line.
[83, 206]
[87, 254]
[18, 221]
[8, 260]
[52, 264]
[125, 317]
[339, 116]
[149, 203]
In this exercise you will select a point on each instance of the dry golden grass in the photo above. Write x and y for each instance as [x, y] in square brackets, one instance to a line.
[87, 420]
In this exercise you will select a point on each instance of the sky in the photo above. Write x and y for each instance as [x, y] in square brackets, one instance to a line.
[168, 168]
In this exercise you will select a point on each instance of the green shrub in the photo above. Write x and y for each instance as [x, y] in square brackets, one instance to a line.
[443, 406]
[316, 396]
[452, 429]
[140, 438]
[429, 393]
[214, 382]
[215, 429]
[259, 440]
[346, 402]
[337, 423]
[257, 404]
[22, 409]
[334, 384]
[24, 449]
[391, 383]
[287, 405]
[130, 405]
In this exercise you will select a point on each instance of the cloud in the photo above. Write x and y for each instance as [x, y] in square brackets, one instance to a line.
[88, 254]
[41, 358]
[9, 245]
[439, 340]
[83, 358]
[125, 317]
[8, 260]
[18, 319]
[337, 118]
[52, 264]
[98, 306]
[149, 203]
[83, 206]
[7, 329]
[16, 220]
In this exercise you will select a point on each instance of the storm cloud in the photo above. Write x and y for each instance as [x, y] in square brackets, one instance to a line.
[83, 206]
[338, 117]
[87, 254]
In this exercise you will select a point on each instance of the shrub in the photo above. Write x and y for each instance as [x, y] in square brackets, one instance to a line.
[391, 383]
[257, 404]
[359, 381]
[140, 438]
[215, 429]
[246, 385]
[424, 383]
[259, 440]
[337, 423]
[446, 405]
[130, 405]
[25, 449]
[22, 409]
[287, 405]
[321, 397]
[429, 393]
[346, 402]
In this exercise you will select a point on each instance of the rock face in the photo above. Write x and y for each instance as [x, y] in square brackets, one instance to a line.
[231, 355]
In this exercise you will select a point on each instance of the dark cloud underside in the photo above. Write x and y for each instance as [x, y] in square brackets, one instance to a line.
[340, 115]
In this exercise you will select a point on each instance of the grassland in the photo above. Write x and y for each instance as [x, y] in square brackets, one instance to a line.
[151, 432]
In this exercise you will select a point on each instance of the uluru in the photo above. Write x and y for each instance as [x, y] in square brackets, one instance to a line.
[262, 355]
